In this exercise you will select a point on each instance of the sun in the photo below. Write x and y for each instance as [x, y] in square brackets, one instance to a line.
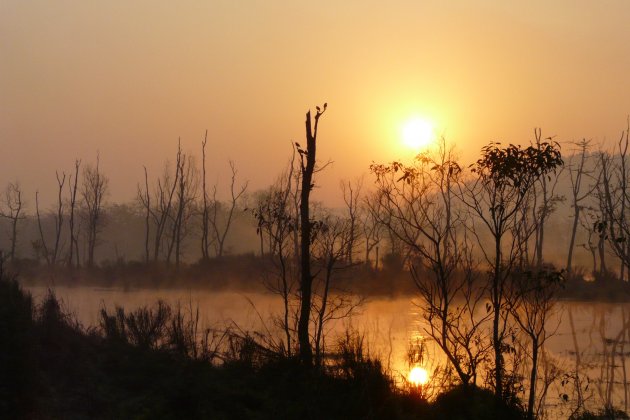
[418, 376]
[417, 133]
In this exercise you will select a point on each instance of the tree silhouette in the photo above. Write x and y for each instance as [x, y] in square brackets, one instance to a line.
[307, 168]
[503, 179]
[577, 173]
[614, 202]
[276, 223]
[13, 202]
[94, 189]
[220, 229]
[205, 208]
[185, 195]
[418, 204]
[73, 251]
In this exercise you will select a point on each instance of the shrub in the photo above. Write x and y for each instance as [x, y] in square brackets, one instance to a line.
[18, 368]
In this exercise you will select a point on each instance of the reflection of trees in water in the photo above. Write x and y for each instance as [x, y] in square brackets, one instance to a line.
[586, 359]
[582, 367]
[598, 375]
[612, 348]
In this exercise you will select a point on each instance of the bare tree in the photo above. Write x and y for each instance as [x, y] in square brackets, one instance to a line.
[13, 203]
[276, 222]
[144, 197]
[331, 238]
[351, 195]
[220, 228]
[614, 197]
[58, 216]
[164, 194]
[73, 251]
[94, 189]
[548, 201]
[307, 169]
[577, 172]
[371, 227]
[417, 205]
[40, 245]
[205, 211]
[185, 197]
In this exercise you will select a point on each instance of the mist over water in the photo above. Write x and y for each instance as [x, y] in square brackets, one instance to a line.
[391, 325]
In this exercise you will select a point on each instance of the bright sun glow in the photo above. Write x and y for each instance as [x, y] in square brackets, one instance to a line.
[417, 133]
[418, 376]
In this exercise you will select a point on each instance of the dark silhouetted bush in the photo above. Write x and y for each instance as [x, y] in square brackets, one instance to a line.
[472, 403]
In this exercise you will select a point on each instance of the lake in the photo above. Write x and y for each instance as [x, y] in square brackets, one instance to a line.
[590, 337]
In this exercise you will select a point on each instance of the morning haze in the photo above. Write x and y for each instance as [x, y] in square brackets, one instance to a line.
[128, 79]
[322, 209]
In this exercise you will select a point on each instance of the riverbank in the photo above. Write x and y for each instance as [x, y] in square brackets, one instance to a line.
[250, 273]
[128, 368]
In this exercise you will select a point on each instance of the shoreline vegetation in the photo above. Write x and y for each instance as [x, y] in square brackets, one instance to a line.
[247, 273]
[152, 363]
[149, 363]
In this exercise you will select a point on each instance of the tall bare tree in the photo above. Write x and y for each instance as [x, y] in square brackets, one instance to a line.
[73, 251]
[95, 186]
[614, 197]
[577, 172]
[61, 180]
[205, 210]
[220, 218]
[276, 223]
[163, 206]
[545, 202]
[144, 198]
[307, 169]
[331, 238]
[51, 254]
[40, 245]
[351, 195]
[13, 203]
[372, 228]
[185, 195]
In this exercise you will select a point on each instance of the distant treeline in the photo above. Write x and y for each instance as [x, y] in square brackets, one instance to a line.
[178, 219]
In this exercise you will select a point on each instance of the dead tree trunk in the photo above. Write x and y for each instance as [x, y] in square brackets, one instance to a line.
[42, 248]
[306, 281]
[205, 244]
[179, 213]
[144, 198]
[59, 216]
[74, 243]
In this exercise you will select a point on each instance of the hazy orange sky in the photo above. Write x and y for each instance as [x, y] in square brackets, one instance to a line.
[128, 78]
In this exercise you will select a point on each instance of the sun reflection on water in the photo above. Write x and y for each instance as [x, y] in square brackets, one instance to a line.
[418, 376]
